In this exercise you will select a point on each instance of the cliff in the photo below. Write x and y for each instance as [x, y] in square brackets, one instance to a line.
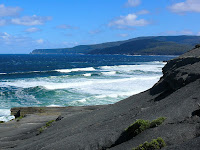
[176, 97]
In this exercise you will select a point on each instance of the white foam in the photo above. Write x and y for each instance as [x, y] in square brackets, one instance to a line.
[54, 86]
[54, 105]
[109, 73]
[3, 73]
[82, 100]
[5, 115]
[6, 118]
[108, 87]
[154, 67]
[5, 112]
[75, 70]
[87, 74]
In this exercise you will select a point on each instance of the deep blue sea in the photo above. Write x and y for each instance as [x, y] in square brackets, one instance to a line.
[74, 80]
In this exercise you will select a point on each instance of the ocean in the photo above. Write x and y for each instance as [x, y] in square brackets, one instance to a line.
[74, 80]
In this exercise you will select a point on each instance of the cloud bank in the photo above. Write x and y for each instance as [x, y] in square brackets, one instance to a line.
[187, 6]
[9, 11]
[133, 3]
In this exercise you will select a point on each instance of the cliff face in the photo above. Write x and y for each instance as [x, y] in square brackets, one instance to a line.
[177, 73]
[176, 96]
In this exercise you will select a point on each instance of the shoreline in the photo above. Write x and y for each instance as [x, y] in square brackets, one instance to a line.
[174, 98]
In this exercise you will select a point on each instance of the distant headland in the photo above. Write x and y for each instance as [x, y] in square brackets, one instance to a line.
[151, 45]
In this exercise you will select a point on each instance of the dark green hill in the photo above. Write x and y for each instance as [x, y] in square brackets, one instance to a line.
[155, 45]
[145, 47]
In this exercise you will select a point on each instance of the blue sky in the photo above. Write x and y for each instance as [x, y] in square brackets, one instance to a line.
[30, 24]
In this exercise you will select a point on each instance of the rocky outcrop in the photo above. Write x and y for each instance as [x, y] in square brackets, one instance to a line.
[175, 97]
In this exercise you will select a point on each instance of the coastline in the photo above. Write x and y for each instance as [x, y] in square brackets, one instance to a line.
[175, 96]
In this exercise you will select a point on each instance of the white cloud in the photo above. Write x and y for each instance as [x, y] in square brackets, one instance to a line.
[70, 44]
[7, 39]
[93, 32]
[128, 21]
[142, 12]
[123, 35]
[187, 6]
[65, 26]
[9, 11]
[187, 32]
[40, 41]
[133, 3]
[30, 20]
[182, 32]
[4, 36]
[3, 22]
[198, 33]
[32, 30]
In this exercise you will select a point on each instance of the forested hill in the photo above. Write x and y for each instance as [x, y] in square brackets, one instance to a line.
[152, 45]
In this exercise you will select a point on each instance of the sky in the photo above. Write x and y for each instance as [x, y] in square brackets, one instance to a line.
[26, 25]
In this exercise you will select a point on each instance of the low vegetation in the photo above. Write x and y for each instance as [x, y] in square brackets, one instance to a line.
[136, 128]
[141, 125]
[19, 118]
[157, 122]
[2, 122]
[46, 125]
[155, 144]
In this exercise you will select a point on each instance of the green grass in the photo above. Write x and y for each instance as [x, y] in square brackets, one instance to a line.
[157, 122]
[49, 123]
[137, 127]
[155, 144]
[141, 125]
[46, 125]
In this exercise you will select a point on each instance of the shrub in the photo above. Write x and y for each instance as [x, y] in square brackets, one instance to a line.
[155, 144]
[137, 127]
[141, 125]
[157, 122]
[2, 122]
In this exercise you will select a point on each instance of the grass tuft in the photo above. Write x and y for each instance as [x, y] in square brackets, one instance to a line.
[155, 144]
[138, 126]
[45, 127]
[157, 122]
